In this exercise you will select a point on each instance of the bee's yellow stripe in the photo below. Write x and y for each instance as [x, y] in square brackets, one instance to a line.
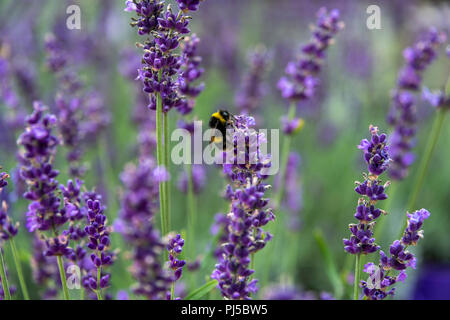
[219, 116]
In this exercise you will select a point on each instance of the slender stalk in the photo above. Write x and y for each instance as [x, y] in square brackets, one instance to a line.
[191, 212]
[109, 176]
[159, 157]
[99, 290]
[357, 276]
[425, 161]
[172, 290]
[62, 274]
[22, 282]
[5, 284]
[166, 165]
[252, 255]
[284, 159]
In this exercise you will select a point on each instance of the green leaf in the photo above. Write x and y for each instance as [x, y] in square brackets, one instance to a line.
[199, 293]
[330, 267]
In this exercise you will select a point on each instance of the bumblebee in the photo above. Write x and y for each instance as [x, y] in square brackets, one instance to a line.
[221, 120]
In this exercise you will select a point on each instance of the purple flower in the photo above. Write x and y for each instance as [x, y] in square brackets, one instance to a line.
[372, 189]
[80, 114]
[3, 177]
[148, 12]
[436, 99]
[377, 158]
[198, 179]
[381, 277]
[8, 229]
[415, 220]
[292, 126]
[402, 114]
[248, 212]
[190, 73]
[99, 241]
[136, 222]
[293, 201]
[187, 5]
[219, 229]
[56, 59]
[38, 149]
[301, 80]
[175, 247]
[44, 268]
[375, 152]
[160, 64]
[57, 246]
[252, 89]
[282, 292]
[163, 71]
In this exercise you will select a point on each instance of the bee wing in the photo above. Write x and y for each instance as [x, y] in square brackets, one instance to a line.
[214, 138]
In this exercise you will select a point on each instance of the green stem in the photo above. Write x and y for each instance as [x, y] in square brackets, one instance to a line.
[159, 157]
[22, 282]
[108, 175]
[252, 255]
[191, 212]
[284, 159]
[357, 276]
[99, 290]
[425, 161]
[166, 165]
[172, 290]
[62, 274]
[5, 284]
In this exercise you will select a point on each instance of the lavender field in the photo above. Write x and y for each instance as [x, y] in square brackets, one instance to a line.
[238, 149]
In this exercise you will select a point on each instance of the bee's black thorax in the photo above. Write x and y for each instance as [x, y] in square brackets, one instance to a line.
[220, 120]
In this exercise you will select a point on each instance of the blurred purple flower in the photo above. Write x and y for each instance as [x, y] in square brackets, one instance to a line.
[198, 179]
[402, 115]
[252, 88]
[136, 224]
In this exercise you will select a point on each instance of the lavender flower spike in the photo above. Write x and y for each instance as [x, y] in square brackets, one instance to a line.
[136, 224]
[99, 242]
[248, 213]
[248, 98]
[175, 247]
[3, 177]
[190, 73]
[39, 147]
[8, 229]
[301, 80]
[402, 114]
[371, 190]
[381, 277]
